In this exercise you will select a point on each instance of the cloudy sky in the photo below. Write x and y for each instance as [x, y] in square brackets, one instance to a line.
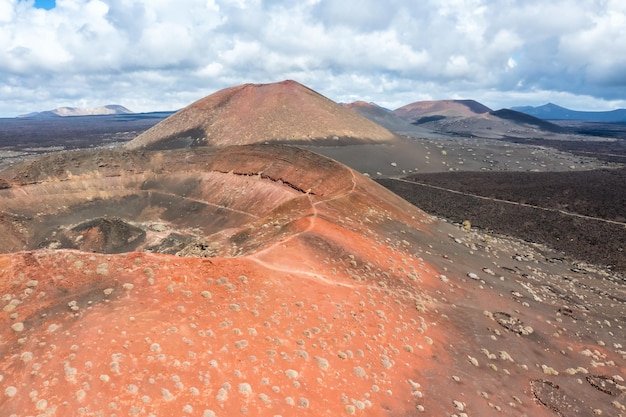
[164, 54]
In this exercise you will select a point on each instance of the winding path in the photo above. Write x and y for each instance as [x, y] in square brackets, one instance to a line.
[312, 216]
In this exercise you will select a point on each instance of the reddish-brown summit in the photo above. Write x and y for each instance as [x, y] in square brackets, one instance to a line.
[257, 113]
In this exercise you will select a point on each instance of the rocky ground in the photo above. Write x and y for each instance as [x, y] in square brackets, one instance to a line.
[581, 236]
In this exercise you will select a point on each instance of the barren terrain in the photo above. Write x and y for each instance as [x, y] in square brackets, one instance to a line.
[269, 280]
[23, 138]
[591, 237]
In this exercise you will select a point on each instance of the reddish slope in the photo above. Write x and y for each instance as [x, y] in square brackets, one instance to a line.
[341, 300]
[258, 113]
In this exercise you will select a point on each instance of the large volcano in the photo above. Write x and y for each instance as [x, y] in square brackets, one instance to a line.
[256, 113]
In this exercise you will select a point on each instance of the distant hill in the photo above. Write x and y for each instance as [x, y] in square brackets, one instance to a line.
[257, 113]
[110, 109]
[471, 118]
[428, 111]
[551, 111]
[524, 118]
[387, 118]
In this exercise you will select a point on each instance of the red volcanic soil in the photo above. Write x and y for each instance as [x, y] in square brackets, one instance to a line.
[446, 108]
[256, 113]
[332, 297]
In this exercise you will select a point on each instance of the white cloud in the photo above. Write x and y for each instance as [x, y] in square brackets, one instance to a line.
[458, 67]
[604, 40]
[364, 15]
[511, 63]
[7, 11]
[159, 54]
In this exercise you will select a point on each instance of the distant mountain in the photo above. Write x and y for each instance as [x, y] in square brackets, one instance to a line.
[75, 111]
[551, 111]
[471, 118]
[427, 111]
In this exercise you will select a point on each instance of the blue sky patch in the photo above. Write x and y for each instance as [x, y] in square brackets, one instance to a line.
[45, 4]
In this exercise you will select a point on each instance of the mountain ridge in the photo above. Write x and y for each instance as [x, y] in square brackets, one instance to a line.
[109, 109]
[551, 111]
[525, 118]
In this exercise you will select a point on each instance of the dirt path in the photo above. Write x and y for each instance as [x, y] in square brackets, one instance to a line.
[312, 216]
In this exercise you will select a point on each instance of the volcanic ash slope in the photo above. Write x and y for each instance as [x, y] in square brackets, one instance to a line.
[257, 113]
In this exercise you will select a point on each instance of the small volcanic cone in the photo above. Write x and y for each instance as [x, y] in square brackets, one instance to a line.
[419, 110]
[256, 113]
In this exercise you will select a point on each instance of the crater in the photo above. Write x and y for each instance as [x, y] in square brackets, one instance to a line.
[109, 201]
